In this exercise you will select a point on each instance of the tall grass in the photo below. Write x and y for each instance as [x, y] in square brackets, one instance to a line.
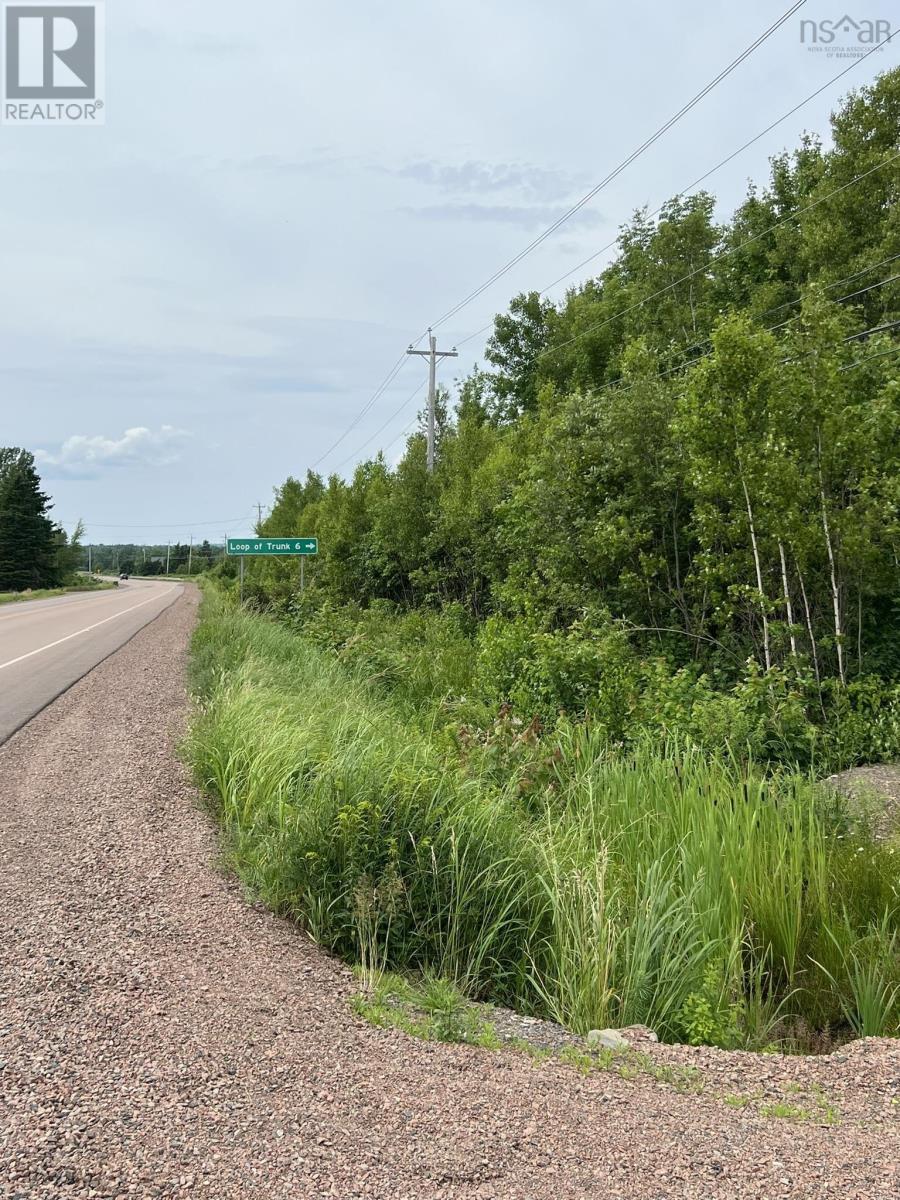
[689, 892]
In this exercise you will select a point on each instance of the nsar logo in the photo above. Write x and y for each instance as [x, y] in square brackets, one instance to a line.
[845, 38]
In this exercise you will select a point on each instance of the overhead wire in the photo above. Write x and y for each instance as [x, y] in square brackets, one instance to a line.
[717, 257]
[367, 407]
[584, 200]
[378, 432]
[159, 524]
[626, 162]
[407, 429]
[580, 204]
[798, 300]
[870, 358]
[701, 179]
[616, 385]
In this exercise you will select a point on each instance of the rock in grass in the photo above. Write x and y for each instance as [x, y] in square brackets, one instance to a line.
[607, 1039]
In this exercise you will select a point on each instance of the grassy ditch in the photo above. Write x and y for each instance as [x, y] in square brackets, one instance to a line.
[708, 899]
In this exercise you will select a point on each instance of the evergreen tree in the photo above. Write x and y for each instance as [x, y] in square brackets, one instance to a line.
[28, 541]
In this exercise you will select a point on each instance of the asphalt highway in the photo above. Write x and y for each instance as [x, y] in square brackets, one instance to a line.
[46, 645]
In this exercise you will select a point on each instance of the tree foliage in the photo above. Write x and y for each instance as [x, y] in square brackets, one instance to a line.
[32, 548]
[699, 448]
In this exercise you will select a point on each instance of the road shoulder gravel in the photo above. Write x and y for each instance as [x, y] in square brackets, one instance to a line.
[163, 1036]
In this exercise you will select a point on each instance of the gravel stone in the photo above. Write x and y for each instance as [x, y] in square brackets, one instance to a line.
[162, 1037]
[607, 1039]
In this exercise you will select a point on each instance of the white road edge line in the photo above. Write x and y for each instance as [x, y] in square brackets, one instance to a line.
[40, 650]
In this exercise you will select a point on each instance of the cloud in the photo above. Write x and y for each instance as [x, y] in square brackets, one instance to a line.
[200, 42]
[525, 216]
[535, 183]
[281, 164]
[287, 383]
[83, 457]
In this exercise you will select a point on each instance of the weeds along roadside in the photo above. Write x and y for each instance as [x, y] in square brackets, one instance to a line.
[674, 889]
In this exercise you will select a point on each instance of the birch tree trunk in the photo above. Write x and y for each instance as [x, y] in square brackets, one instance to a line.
[789, 608]
[812, 636]
[767, 652]
[835, 589]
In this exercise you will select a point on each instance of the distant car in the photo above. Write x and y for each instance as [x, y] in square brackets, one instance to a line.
[124, 575]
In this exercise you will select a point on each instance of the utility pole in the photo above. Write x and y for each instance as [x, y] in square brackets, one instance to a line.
[258, 515]
[168, 549]
[90, 569]
[190, 553]
[432, 354]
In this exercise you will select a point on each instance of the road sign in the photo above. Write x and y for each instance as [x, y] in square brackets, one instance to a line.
[257, 546]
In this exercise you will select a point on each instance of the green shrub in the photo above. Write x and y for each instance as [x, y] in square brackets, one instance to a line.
[661, 884]
[446, 671]
[712, 1016]
[424, 657]
[588, 668]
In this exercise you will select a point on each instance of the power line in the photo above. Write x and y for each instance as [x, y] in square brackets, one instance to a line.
[379, 391]
[602, 184]
[701, 179]
[570, 212]
[716, 257]
[849, 279]
[860, 362]
[158, 524]
[617, 386]
[798, 299]
[723, 162]
[403, 432]
[635, 154]
[409, 399]
[888, 325]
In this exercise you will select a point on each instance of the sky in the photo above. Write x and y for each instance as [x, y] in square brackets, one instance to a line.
[200, 296]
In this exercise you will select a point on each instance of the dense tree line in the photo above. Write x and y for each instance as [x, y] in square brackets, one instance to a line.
[145, 559]
[698, 448]
[34, 551]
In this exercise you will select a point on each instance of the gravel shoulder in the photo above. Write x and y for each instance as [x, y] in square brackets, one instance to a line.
[876, 792]
[162, 1036]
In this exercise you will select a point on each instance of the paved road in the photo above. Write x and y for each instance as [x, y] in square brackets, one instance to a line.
[45, 645]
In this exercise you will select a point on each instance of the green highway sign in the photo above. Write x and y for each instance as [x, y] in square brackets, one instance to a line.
[267, 546]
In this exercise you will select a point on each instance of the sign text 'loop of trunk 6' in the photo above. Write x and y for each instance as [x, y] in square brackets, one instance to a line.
[259, 547]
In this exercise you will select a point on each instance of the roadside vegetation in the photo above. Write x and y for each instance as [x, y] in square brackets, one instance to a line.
[702, 895]
[546, 722]
[83, 584]
[672, 501]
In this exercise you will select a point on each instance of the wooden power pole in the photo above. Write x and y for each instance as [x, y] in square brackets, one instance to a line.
[432, 354]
